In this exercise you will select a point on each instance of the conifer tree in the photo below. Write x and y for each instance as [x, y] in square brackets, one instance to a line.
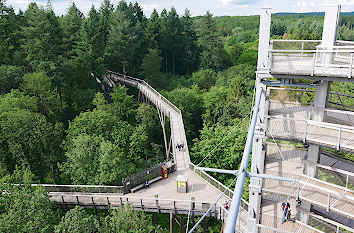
[153, 28]
[210, 43]
[164, 44]
[106, 11]
[173, 33]
[10, 36]
[71, 25]
[90, 48]
[42, 40]
[189, 37]
[123, 42]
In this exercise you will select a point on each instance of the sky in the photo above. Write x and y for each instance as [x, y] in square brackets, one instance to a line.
[199, 7]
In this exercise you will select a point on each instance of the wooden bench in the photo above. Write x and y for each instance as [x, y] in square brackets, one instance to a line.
[142, 185]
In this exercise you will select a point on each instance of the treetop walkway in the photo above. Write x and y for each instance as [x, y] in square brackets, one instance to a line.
[162, 196]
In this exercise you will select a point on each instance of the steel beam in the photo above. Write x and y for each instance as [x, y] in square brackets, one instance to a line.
[236, 198]
[232, 172]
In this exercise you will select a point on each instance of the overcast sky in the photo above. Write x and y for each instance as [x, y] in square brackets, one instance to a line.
[199, 7]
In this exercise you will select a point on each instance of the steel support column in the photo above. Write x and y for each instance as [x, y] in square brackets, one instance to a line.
[329, 37]
[258, 154]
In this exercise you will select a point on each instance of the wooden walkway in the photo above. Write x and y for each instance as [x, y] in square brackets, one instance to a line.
[287, 161]
[292, 122]
[165, 106]
[163, 197]
[202, 187]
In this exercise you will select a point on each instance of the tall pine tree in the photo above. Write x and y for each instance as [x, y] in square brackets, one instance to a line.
[123, 42]
[43, 41]
[71, 24]
[210, 43]
[106, 11]
[153, 28]
[90, 48]
[189, 37]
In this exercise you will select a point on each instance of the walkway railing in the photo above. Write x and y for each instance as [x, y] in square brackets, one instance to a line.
[306, 57]
[217, 184]
[335, 176]
[135, 81]
[307, 131]
[81, 188]
[273, 224]
[317, 192]
[140, 203]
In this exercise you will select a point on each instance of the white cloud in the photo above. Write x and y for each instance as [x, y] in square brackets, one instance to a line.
[199, 7]
[225, 2]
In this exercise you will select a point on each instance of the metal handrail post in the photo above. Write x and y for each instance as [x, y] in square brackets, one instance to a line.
[339, 136]
[313, 63]
[351, 65]
[305, 133]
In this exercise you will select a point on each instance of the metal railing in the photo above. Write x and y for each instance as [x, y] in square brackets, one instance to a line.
[335, 176]
[135, 81]
[217, 184]
[328, 225]
[81, 188]
[304, 57]
[321, 133]
[314, 191]
[272, 224]
[140, 203]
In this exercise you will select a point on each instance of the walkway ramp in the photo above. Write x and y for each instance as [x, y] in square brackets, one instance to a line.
[288, 161]
[202, 187]
[289, 121]
[177, 127]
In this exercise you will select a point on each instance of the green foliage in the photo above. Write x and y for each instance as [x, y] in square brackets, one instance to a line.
[124, 219]
[77, 220]
[10, 35]
[208, 39]
[71, 24]
[27, 138]
[228, 155]
[10, 77]
[151, 66]
[43, 41]
[102, 147]
[90, 48]
[48, 102]
[25, 208]
[124, 40]
[204, 78]
[188, 100]
[16, 100]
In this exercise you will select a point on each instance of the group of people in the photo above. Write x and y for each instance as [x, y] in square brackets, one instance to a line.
[285, 208]
[146, 184]
[180, 146]
[226, 205]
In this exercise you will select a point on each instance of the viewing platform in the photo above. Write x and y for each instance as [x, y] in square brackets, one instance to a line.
[308, 59]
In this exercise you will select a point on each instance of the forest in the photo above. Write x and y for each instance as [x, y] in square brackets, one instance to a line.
[57, 126]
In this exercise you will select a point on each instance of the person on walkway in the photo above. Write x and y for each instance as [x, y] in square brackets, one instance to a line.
[285, 208]
[226, 205]
[182, 145]
[146, 184]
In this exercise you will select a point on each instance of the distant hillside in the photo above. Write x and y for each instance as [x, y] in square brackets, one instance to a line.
[311, 13]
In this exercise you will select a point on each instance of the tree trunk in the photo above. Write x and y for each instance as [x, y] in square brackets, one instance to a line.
[173, 64]
[166, 60]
